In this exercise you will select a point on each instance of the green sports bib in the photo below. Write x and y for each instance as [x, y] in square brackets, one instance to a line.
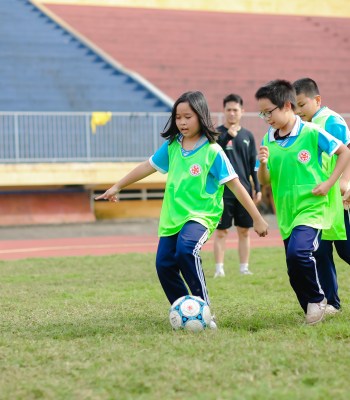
[337, 230]
[185, 197]
[294, 172]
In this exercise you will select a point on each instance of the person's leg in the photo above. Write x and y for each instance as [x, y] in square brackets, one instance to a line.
[189, 243]
[343, 246]
[243, 221]
[220, 238]
[243, 249]
[167, 269]
[300, 248]
[219, 251]
[327, 273]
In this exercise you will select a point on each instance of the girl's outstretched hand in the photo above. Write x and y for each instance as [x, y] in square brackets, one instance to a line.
[260, 227]
[111, 195]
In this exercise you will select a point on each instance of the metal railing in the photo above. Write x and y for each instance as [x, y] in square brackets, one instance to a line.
[32, 137]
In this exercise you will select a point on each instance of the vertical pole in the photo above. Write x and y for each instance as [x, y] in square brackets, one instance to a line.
[88, 137]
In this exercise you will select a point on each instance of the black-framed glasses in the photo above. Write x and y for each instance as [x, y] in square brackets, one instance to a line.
[267, 114]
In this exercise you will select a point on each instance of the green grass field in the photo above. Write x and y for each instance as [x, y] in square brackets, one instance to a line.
[97, 328]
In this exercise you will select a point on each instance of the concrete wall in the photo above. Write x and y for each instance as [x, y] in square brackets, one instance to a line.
[63, 193]
[45, 206]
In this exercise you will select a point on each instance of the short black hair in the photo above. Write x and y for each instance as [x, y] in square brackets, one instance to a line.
[307, 86]
[233, 97]
[278, 92]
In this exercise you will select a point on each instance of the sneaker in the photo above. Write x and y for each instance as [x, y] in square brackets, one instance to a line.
[212, 324]
[331, 310]
[219, 273]
[315, 312]
[246, 272]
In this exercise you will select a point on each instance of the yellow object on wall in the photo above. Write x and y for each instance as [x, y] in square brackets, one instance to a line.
[99, 118]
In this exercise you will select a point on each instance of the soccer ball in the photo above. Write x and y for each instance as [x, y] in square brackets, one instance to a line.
[190, 313]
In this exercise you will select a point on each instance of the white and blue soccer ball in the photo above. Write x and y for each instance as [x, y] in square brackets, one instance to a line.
[190, 313]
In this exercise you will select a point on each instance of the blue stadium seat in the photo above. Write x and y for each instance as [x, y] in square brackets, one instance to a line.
[45, 68]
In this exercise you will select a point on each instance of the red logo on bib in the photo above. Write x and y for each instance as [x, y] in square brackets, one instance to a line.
[304, 156]
[195, 170]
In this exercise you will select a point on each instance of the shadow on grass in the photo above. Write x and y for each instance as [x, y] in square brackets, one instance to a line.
[85, 328]
[145, 325]
[258, 321]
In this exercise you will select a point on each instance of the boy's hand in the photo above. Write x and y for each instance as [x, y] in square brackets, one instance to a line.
[346, 199]
[263, 154]
[321, 189]
[257, 196]
[343, 186]
[110, 194]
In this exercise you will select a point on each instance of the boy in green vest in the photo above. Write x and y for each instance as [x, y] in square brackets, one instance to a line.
[290, 160]
[309, 109]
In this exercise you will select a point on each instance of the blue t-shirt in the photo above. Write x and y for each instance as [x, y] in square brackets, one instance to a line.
[326, 142]
[221, 171]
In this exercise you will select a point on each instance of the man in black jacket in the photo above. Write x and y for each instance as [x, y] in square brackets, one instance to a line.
[239, 145]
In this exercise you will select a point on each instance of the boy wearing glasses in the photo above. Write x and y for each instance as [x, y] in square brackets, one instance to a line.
[309, 109]
[290, 161]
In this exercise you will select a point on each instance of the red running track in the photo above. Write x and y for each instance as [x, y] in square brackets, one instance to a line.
[103, 245]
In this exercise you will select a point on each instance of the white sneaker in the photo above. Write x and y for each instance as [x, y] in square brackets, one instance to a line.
[315, 312]
[331, 310]
[219, 273]
[212, 324]
[246, 272]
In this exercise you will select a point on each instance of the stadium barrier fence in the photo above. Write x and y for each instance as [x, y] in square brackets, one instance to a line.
[32, 137]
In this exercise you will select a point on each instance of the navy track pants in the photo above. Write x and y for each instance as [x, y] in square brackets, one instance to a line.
[326, 266]
[178, 261]
[300, 247]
